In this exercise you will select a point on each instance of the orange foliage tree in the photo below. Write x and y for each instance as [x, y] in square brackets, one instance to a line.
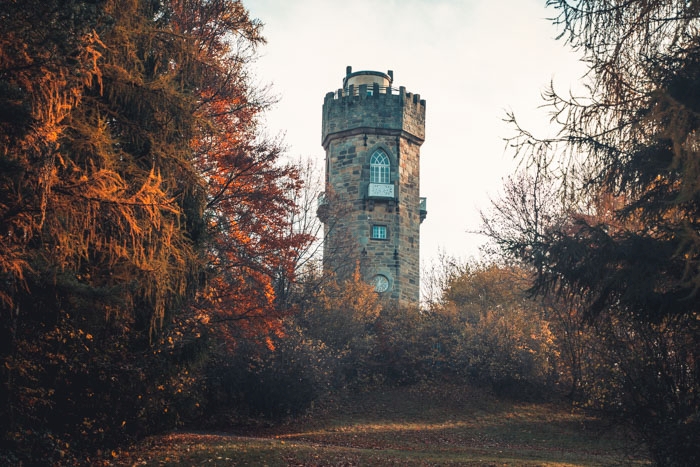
[249, 193]
[137, 196]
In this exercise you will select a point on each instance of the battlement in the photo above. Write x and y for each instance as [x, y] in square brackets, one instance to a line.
[376, 107]
[375, 90]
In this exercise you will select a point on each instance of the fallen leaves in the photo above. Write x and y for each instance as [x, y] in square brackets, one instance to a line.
[404, 427]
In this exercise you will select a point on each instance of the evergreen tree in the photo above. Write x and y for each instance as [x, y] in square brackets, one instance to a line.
[625, 249]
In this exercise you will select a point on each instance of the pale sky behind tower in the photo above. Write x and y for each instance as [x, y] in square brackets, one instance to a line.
[471, 60]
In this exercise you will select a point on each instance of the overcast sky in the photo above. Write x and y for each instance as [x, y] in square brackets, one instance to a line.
[471, 60]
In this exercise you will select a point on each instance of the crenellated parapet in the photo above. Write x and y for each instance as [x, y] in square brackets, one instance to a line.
[373, 109]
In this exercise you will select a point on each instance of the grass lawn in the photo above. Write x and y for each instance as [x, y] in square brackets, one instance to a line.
[423, 426]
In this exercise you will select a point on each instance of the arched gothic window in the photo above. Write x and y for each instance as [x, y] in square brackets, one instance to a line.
[379, 167]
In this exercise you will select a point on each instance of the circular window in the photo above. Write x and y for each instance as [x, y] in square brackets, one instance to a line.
[381, 283]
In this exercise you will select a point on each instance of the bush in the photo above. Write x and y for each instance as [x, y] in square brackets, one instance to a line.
[273, 382]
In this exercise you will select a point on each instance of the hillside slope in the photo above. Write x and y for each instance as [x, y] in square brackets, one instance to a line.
[424, 426]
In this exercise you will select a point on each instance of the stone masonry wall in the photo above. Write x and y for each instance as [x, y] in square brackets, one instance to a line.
[354, 126]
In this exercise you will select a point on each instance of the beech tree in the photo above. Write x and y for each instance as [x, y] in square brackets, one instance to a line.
[250, 193]
[625, 168]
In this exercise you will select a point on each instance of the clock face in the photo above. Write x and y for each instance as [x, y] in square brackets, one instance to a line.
[381, 283]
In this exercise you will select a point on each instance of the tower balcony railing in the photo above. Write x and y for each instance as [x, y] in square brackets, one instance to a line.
[366, 90]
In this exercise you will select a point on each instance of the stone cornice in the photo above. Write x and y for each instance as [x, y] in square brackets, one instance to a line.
[371, 131]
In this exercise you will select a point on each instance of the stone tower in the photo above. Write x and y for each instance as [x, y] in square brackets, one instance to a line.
[371, 209]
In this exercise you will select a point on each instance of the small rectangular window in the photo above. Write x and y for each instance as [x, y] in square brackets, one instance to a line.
[379, 232]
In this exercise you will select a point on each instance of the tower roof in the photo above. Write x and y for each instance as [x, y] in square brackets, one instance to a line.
[367, 77]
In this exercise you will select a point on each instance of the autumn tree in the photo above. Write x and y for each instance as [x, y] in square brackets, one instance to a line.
[344, 315]
[490, 332]
[524, 218]
[625, 168]
[139, 205]
[302, 221]
[95, 186]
